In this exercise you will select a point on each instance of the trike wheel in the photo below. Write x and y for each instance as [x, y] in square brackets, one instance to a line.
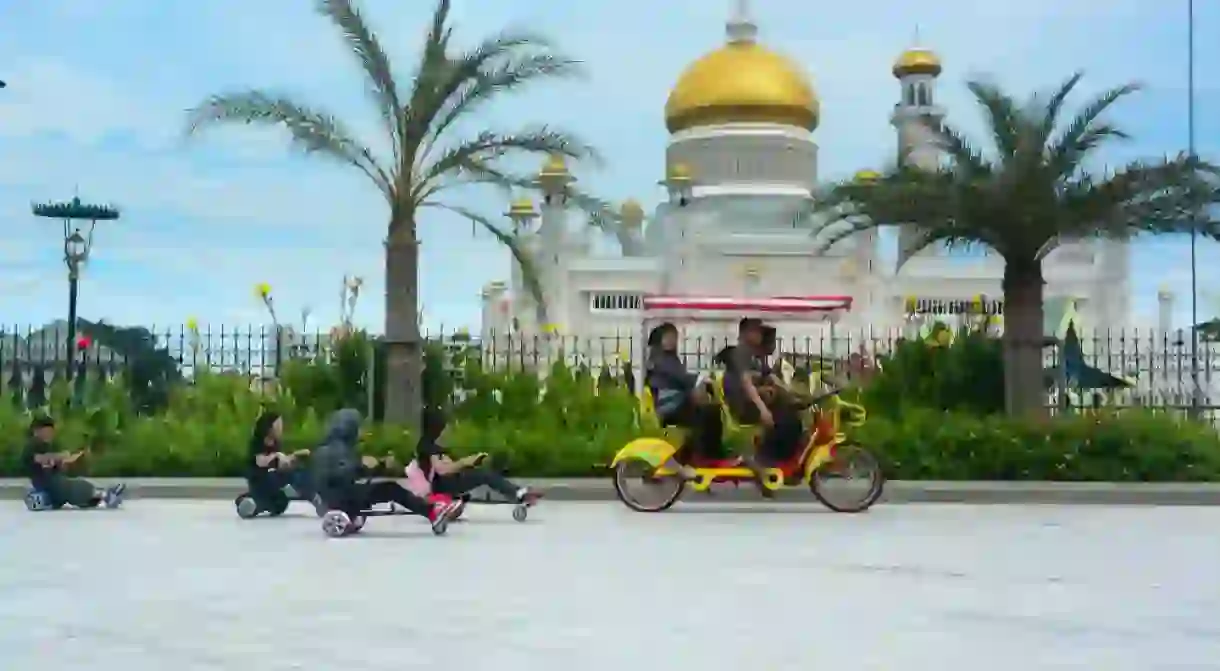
[851, 482]
[638, 489]
[278, 503]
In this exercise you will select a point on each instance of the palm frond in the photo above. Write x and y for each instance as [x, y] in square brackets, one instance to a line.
[1003, 115]
[488, 147]
[1069, 149]
[952, 236]
[312, 131]
[942, 205]
[1171, 196]
[959, 150]
[488, 81]
[373, 60]
[432, 72]
[1054, 107]
[529, 272]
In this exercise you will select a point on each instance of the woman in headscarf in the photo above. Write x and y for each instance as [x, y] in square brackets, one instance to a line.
[679, 399]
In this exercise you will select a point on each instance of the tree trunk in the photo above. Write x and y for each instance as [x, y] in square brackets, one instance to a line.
[1024, 393]
[404, 355]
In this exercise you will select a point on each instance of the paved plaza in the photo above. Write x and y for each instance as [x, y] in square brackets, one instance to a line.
[189, 587]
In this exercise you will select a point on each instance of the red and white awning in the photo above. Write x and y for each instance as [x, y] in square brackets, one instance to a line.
[725, 307]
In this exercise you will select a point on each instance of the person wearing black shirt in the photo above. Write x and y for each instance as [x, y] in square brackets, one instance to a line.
[269, 470]
[457, 477]
[342, 475]
[745, 371]
[678, 398]
[44, 464]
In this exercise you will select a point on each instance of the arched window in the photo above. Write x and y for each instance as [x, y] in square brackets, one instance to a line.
[922, 98]
[908, 95]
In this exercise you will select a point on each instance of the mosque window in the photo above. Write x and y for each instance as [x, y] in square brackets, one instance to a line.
[908, 94]
[613, 302]
[922, 97]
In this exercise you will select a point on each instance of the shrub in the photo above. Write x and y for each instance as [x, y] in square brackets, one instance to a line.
[572, 420]
[962, 371]
[355, 362]
[203, 431]
[1134, 446]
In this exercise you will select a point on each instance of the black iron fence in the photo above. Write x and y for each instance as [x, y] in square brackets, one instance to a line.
[1158, 366]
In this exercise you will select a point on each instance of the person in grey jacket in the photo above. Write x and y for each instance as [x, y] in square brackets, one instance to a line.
[679, 399]
[342, 475]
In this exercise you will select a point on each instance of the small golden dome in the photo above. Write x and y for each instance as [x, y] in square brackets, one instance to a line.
[742, 82]
[917, 61]
[632, 213]
[555, 166]
[866, 176]
[678, 173]
[522, 208]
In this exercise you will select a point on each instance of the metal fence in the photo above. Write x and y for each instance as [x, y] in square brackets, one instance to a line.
[1159, 364]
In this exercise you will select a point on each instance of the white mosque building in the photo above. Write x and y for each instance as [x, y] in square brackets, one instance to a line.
[740, 167]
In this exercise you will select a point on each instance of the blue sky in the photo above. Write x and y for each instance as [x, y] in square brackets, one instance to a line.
[97, 90]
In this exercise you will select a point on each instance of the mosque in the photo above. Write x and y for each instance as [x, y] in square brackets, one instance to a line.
[741, 166]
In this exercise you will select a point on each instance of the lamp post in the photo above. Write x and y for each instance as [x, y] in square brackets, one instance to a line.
[76, 251]
[1194, 223]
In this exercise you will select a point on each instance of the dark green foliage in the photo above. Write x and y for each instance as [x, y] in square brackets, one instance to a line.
[964, 375]
[342, 380]
[148, 371]
[1134, 446]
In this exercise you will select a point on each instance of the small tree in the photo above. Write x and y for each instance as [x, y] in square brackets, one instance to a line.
[1036, 188]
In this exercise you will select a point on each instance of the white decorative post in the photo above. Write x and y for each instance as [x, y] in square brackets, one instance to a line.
[554, 180]
[523, 214]
[679, 183]
[1164, 302]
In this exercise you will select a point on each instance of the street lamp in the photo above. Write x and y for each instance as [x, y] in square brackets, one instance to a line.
[1194, 217]
[76, 251]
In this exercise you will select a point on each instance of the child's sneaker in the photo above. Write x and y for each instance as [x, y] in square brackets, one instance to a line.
[113, 497]
[529, 496]
[441, 515]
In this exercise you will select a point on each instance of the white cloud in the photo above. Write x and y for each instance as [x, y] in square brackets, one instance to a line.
[83, 106]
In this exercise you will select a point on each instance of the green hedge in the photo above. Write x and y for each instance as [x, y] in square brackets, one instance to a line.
[574, 420]
[1134, 446]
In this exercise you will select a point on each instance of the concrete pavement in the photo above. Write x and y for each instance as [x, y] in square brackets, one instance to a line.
[599, 489]
[188, 586]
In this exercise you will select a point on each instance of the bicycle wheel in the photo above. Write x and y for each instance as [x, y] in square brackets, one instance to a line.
[852, 469]
[638, 489]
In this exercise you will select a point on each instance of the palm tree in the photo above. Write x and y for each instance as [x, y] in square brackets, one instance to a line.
[426, 160]
[1037, 187]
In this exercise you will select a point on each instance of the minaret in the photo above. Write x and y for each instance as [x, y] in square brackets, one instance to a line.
[916, 114]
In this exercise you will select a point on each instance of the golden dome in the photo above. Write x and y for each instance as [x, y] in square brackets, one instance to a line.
[866, 175]
[741, 82]
[678, 173]
[522, 208]
[555, 166]
[632, 213]
[917, 61]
